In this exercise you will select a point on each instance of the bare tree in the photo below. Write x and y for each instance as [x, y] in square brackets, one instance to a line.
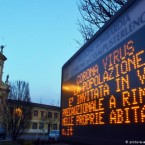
[95, 13]
[48, 120]
[17, 109]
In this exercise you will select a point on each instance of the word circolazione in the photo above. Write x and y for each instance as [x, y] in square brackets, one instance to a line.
[109, 92]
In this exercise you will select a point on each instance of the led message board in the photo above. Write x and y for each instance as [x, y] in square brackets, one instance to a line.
[103, 84]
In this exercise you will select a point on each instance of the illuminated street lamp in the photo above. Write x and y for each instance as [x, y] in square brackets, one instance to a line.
[18, 112]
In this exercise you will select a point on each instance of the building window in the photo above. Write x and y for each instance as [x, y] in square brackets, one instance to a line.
[42, 113]
[49, 114]
[41, 125]
[35, 112]
[55, 115]
[34, 125]
[55, 126]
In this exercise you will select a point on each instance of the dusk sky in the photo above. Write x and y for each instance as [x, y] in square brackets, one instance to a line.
[39, 37]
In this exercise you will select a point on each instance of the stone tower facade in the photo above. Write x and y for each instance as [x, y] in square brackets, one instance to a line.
[4, 87]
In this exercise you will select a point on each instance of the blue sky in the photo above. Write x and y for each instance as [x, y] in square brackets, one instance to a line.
[39, 37]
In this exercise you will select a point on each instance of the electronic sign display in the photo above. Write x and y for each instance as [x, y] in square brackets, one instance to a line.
[103, 84]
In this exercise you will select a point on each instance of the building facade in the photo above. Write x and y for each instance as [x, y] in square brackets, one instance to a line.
[4, 87]
[44, 118]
